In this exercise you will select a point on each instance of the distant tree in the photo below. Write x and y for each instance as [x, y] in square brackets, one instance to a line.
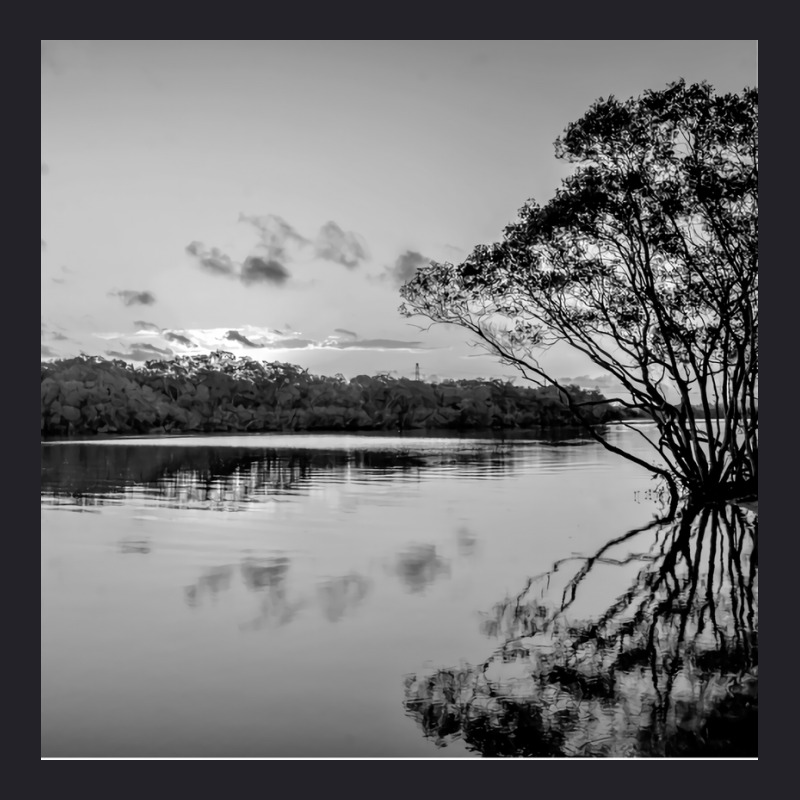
[646, 261]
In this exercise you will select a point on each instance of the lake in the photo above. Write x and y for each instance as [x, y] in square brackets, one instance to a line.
[347, 596]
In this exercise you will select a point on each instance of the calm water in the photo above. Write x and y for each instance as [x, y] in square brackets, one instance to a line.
[380, 596]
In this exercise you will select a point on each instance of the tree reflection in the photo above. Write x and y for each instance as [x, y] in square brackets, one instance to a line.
[267, 577]
[669, 669]
[83, 475]
[339, 596]
[209, 585]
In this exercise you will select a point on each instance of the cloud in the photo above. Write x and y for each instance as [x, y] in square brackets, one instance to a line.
[279, 242]
[141, 325]
[213, 260]
[176, 337]
[276, 235]
[346, 332]
[153, 349]
[140, 352]
[245, 338]
[333, 244]
[45, 169]
[292, 344]
[381, 344]
[131, 298]
[255, 269]
[259, 270]
[48, 352]
[235, 336]
[405, 267]
[334, 344]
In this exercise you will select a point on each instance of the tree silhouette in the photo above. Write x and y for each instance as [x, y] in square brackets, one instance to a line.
[646, 262]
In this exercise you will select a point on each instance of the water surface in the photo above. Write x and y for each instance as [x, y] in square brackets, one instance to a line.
[304, 595]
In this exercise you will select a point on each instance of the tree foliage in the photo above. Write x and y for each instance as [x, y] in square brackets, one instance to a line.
[646, 261]
[219, 392]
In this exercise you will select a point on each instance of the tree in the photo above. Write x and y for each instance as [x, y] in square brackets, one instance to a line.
[646, 261]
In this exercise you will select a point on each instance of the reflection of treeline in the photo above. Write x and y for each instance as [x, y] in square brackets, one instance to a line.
[670, 669]
[198, 473]
[86, 395]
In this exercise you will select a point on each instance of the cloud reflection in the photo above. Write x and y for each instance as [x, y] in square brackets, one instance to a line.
[419, 566]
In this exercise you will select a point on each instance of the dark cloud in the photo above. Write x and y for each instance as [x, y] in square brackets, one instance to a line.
[135, 355]
[141, 325]
[213, 260]
[140, 352]
[259, 270]
[48, 352]
[151, 348]
[334, 244]
[276, 235]
[235, 336]
[177, 337]
[255, 269]
[345, 332]
[59, 337]
[405, 267]
[131, 298]
[267, 263]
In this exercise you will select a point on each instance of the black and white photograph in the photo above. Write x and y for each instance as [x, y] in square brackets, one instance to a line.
[399, 399]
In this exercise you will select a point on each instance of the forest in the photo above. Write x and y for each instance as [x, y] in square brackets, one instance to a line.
[87, 395]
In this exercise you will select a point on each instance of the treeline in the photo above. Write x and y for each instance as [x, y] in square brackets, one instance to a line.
[219, 392]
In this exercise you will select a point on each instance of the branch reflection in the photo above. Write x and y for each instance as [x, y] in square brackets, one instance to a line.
[668, 669]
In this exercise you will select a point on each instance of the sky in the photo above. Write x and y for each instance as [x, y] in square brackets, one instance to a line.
[268, 198]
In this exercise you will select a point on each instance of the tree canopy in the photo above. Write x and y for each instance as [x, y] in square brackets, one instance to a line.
[646, 261]
[218, 392]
